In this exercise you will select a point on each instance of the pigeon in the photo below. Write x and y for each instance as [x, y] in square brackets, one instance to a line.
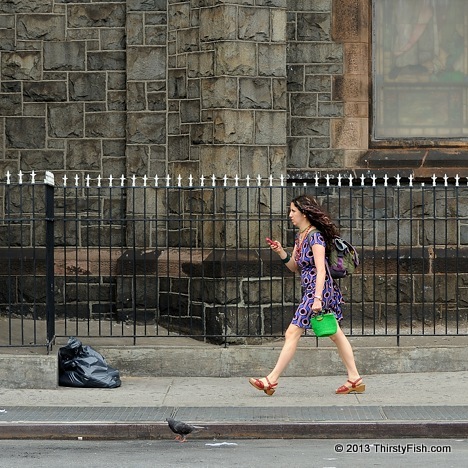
[182, 429]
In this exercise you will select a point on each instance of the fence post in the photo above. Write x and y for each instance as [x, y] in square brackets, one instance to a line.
[50, 279]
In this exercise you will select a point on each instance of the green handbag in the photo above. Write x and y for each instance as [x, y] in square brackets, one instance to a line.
[324, 324]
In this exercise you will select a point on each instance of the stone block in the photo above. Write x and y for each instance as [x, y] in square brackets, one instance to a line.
[146, 63]
[107, 15]
[7, 39]
[350, 20]
[219, 92]
[350, 88]
[21, 65]
[190, 111]
[236, 58]
[201, 134]
[200, 64]
[315, 52]
[137, 159]
[146, 128]
[105, 124]
[106, 61]
[83, 155]
[318, 84]
[280, 94]
[310, 127]
[45, 91]
[65, 120]
[178, 15]
[218, 23]
[156, 101]
[270, 127]
[219, 160]
[177, 84]
[255, 93]
[330, 109]
[326, 158]
[295, 77]
[254, 160]
[135, 29]
[356, 58]
[10, 104]
[147, 5]
[188, 40]
[87, 86]
[26, 6]
[156, 35]
[254, 24]
[41, 27]
[136, 96]
[304, 104]
[278, 25]
[232, 126]
[349, 133]
[50, 160]
[298, 152]
[25, 132]
[178, 148]
[113, 39]
[314, 27]
[67, 56]
[272, 60]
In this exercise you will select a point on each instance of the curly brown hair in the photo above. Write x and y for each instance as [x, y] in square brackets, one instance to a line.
[317, 216]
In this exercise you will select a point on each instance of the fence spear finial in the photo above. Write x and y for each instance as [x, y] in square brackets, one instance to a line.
[213, 180]
[145, 179]
[190, 180]
[99, 180]
[179, 181]
[8, 177]
[434, 178]
[20, 177]
[110, 180]
[33, 177]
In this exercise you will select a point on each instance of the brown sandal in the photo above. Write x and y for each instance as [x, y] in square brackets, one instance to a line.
[356, 387]
[259, 385]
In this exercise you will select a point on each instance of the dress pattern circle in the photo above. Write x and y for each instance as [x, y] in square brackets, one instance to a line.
[331, 294]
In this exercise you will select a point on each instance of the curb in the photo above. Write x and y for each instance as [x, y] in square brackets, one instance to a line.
[227, 430]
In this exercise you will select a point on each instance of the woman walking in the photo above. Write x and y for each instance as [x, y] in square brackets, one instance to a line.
[320, 291]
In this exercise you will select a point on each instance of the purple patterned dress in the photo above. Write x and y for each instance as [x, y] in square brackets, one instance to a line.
[332, 297]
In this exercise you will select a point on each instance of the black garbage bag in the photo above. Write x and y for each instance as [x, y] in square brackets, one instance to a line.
[82, 366]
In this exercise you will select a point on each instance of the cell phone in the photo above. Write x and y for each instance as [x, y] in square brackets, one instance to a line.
[271, 242]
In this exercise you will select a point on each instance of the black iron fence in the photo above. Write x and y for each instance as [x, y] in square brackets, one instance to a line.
[161, 257]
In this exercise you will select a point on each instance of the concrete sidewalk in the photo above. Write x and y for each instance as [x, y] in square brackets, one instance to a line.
[433, 404]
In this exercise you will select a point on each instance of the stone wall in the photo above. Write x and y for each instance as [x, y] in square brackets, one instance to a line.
[143, 87]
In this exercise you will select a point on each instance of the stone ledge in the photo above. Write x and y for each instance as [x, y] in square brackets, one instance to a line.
[29, 371]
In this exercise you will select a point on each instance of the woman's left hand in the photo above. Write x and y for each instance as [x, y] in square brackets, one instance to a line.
[317, 305]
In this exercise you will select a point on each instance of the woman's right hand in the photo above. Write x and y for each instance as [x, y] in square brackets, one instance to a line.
[274, 245]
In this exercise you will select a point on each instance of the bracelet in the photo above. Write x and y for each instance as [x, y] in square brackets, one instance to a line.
[287, 258]
[318, 297]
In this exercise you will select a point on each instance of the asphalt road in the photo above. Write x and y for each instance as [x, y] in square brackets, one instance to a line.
[310, 453]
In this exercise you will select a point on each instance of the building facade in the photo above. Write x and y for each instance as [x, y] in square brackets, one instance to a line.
[233, 87]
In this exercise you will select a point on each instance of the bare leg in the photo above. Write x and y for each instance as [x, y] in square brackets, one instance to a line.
[346, 353]
[292, 336]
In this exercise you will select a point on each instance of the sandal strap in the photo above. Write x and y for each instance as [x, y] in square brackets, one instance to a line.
[270, 384]
[355, 383]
